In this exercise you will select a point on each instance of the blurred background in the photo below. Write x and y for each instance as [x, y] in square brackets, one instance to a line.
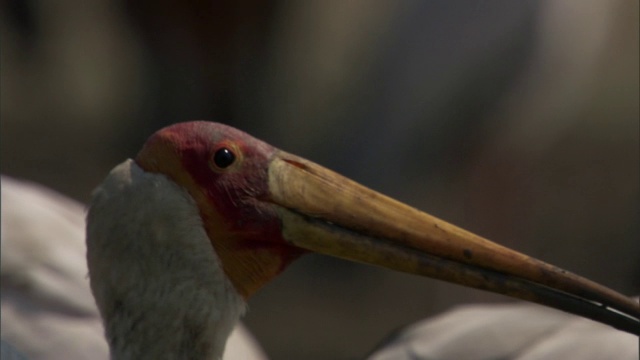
[516, 120]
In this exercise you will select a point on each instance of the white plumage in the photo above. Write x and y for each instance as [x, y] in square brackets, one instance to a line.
[47, 308]
[508, 331]
[154, 230]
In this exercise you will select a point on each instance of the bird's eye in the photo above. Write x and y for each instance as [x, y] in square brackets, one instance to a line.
[223, 158]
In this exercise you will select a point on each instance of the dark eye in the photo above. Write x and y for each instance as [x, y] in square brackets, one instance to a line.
[223, 158]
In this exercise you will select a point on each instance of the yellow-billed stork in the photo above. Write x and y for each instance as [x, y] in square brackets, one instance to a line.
[205, 215]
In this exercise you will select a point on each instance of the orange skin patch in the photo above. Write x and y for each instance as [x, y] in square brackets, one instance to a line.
[243, 228]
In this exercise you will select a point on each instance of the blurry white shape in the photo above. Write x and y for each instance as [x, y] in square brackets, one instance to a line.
[508, 331]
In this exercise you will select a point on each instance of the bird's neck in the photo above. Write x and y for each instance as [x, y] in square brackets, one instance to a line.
[157, 281]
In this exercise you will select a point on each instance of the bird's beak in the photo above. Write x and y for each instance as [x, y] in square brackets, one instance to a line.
[327, 213]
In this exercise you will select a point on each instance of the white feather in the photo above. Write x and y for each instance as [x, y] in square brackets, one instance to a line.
[155, 276]
[508, 331]
[47, 308]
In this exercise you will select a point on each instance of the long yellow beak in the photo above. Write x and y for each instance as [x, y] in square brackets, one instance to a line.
[327, 213]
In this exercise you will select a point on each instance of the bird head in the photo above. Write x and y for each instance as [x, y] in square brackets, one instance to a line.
[227, 173]
[262, 208]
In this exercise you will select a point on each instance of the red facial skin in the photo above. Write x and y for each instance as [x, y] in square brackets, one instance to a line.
[242, 225]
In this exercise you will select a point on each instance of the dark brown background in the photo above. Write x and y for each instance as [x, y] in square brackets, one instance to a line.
[516, 120]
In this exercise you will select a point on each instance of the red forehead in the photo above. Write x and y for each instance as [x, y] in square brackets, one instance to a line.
[188, 149]
[202, 136]
[233, 195]
[193, 144]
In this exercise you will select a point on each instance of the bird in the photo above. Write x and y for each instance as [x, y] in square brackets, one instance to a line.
[48, 311]
[179, 237]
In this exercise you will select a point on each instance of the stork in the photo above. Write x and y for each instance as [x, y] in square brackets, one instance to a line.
[179, 238]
